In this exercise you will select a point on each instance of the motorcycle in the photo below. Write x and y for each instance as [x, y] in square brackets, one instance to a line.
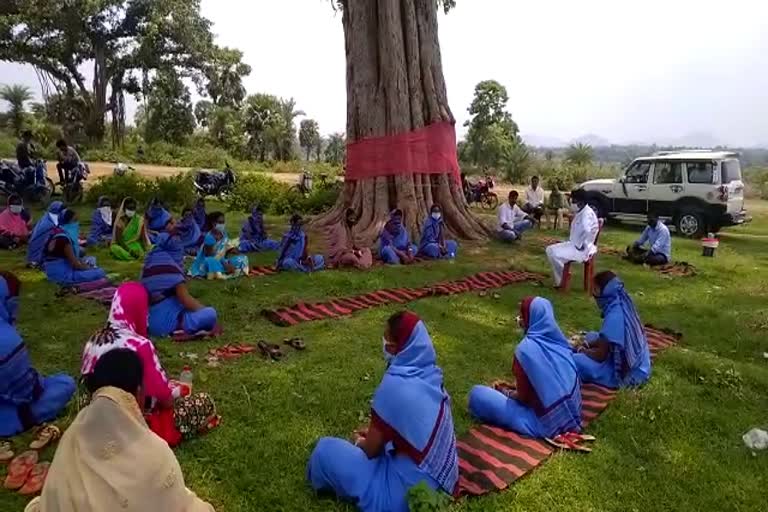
[215, 183]
[73, 188]
[32, 183]
[480, 193]
[122, 169]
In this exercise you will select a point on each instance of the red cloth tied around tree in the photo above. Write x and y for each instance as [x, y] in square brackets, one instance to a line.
[428, 150]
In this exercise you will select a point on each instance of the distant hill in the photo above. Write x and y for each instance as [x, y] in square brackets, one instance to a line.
[591, 139]
[542, 141]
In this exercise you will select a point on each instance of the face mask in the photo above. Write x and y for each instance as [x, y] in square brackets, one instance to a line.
[105, 210]
[221, 228]
[387, 356]
[437, 215]
[16, 208]
[130, 213]
[54, 217]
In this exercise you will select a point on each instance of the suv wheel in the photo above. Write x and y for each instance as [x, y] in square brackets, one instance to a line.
[690, 223]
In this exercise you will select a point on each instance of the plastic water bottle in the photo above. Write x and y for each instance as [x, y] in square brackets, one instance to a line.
[186, 376]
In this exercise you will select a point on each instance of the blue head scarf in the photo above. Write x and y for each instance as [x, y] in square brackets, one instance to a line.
[42, 233]
[19, 382]
[99, 227]
[294, 242]
[189, 232]
[157, 216]
[394, 233]
[547, 360]
[624, 330]
[162, 269]
[199, 213]
[70, 231]
[253, 227]
[412, 401]
[431, 232]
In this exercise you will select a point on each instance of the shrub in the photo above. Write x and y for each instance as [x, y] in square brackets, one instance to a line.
[279, 198]
[175, 191]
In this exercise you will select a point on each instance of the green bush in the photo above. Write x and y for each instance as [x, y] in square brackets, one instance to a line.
[175, 191]
[279, 198]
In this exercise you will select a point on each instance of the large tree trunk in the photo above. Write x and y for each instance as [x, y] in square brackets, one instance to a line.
[395, 84]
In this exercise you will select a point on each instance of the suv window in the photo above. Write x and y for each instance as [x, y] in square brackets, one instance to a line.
[700, 172]
[638, 173]
[667, 173]
[731, 171]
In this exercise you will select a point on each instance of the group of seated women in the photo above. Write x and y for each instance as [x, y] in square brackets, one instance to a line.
[410, 437]
[395, 245]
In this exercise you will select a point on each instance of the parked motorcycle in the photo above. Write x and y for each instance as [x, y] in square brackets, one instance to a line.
[73, 188]
[122, 169]
[215, 183]
[480, 193]
[31, 183]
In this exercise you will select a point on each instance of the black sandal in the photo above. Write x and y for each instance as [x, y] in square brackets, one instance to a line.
[295, 343]
[269, 350]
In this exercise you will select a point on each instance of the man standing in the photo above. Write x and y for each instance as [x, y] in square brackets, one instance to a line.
[534, 199]
[512, 220]
[581, 244]
[25, 151]
[68, 160]
[657, 236]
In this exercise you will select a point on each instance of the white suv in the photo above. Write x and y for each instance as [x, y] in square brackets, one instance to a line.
[698, 191]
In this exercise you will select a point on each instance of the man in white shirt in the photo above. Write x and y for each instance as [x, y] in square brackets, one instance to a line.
[581, 244]
[512, 220]
[534, 199]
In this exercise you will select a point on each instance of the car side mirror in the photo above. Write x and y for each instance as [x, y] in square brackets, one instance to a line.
[622, 179]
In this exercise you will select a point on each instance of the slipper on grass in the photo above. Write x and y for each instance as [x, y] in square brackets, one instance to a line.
[295, 343]
[6, 451]
[46, 435]
[19, 469]
[270, 350]
[565, 443]
[36, 479]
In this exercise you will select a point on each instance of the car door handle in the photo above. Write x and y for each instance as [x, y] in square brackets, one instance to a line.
[642, 188]
[676, 188]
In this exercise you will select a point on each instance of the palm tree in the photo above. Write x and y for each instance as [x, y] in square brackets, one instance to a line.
[579, 154]
[16, 96]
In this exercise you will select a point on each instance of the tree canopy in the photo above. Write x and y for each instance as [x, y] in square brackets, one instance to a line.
[309, 135]
[124, 41]
[16, 96]
[169, 109]
[579, 154]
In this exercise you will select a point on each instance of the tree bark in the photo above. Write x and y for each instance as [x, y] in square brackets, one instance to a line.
[395, 84]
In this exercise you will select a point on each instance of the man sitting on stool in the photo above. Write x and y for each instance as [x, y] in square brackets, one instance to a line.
[656, 235]
[512, 220]
[534, 200]
[581, 244]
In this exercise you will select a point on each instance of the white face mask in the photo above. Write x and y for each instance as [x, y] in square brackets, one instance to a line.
[387, 356]
[129, 213]
[54, 217]
[437, 215]
[16, 208]
[221, 228]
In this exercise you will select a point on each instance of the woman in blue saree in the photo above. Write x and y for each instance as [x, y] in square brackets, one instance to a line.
[547, 399]
[201, 216]
[410, 438]
[433, 243]
[395, 245]
[42, 233]
[618, 355]
[216, 259]
[189, 232]
[63, 262]
[156, 219]
[172, 307]
[26, 397]
[101, 223]
[253, 235]
[294, 250]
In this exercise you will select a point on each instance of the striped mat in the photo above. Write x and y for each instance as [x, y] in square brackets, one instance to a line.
[491, 459]
[334, 308]
[101, 291]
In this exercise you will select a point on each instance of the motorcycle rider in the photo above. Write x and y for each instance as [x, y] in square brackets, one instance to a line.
[26, 153]
[69, 160]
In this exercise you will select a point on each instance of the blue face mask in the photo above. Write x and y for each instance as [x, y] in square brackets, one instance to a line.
[221, 228]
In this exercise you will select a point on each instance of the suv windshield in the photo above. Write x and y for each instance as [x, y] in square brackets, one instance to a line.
[731, 171]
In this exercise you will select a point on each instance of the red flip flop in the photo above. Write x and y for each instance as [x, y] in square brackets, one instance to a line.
[19, 470]
[36, 479]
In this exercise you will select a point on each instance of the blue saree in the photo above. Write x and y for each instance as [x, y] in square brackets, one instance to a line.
[412, 405]
[213, 266]
[431, 238]
[294, 256]
[157, 218]
[26, 398]
[56, 266]
[101, 225]
[42, 233]
[629, 361]
[253, 236]
[161, 274]
[190, 235]
[394, 236]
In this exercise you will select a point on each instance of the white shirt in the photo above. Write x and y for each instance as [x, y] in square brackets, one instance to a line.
[534, 197]
[584, 230]
[510, 214]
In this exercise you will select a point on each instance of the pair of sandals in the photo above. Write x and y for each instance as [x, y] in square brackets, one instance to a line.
[275, 353]
[572, 441]
[25, 474]
[232, 351]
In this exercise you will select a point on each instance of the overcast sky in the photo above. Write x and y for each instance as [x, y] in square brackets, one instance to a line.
[629, 71]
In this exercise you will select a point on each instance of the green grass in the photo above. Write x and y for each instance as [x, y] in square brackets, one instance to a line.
[673, 445]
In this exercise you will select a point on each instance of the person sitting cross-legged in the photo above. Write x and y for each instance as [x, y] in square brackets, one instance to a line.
[294, 252]
[15, 225]
[64, 262]
[433, 244]
[659, 241]
[101, 223]
[253, 234]
[513, 221]
[618, 355]
[410, 438]
[395, 245]
[342, 251]
[547, 399]
[580, 246]
[129, 235]
[534, 199]
[216, 259]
